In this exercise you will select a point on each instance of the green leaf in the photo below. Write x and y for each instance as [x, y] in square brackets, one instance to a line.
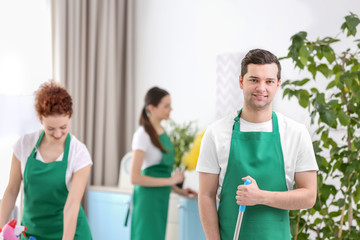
[324, 162]
[293, 53]
[286, 92]
[356, 194]
[333, 103]
[329, 54]
[299, 64]
[343, 118]
[304, 54]
[337, 165]
[298, 39]
[335, 214]
[320, 98]
[331, 85]
[314, 90]
[303, 60]
[304, 98]
[350, 24]
[337, 69]
[329, 118]
[349, 79]
[330, 40]
[341, 202]
[323, 68]
[287, 82]
[312, 69]
[301, 82]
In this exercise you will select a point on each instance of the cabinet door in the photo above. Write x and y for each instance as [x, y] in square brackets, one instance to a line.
[107, 212]
[190, 227]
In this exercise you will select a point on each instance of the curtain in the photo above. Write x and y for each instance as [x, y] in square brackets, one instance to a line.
[92, 58]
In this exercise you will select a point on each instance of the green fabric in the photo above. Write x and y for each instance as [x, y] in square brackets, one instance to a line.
[150, 204]
[259, 155]
[45, 195]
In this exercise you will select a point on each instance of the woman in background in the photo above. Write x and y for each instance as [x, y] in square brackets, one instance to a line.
[151, 168]
[54, 166]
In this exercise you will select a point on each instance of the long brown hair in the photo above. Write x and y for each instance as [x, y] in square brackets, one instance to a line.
[152, 97]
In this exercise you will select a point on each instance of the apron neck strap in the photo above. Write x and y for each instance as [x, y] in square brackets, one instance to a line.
[33, 153]
[40, 138]
[67, 144]
[236, 125]
[67, 147]
[274, 122]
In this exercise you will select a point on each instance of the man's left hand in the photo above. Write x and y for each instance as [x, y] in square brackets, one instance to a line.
[248, 195]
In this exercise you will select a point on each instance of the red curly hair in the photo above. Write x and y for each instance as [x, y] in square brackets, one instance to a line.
[51, 99]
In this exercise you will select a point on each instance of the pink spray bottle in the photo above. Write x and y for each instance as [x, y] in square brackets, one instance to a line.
[10, 231]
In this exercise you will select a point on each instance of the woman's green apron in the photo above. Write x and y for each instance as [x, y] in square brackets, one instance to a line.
[259, 155]
[45, 195]
[150, 204]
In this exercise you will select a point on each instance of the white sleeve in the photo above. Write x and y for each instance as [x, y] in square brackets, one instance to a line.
[18, 149]
[24, 146]
[82, 158]
[208, 158]
[306, 160]
[140, 140]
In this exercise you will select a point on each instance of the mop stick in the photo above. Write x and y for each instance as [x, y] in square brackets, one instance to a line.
[240, 215]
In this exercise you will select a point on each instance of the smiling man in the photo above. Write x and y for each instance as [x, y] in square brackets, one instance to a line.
[271, 150]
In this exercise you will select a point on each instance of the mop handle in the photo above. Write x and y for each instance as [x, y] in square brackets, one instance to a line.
[242, 207]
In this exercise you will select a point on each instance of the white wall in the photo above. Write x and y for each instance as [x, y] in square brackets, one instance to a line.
[25, 62]
[177, 42]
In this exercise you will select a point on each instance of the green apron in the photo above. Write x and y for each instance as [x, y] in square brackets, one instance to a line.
[259, 155]
[45, 194]
[150, 204]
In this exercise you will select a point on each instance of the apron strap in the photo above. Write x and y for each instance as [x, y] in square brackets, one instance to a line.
[37, 144]
[39, 140]
[236, 125]
[275, 125]
[129, 211]
[66, 150]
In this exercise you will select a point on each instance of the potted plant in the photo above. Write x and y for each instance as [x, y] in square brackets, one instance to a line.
[182, 137]
[336, 113]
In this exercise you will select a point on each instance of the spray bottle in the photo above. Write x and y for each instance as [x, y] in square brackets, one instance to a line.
[11, 231]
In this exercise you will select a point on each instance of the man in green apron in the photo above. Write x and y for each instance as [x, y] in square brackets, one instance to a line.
[273, 151]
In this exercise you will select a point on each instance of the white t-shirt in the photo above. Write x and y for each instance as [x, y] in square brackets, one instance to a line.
[79, 157]
[295, 141]
[141, 141]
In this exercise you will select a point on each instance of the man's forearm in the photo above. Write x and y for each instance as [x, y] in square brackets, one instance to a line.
[290, 200]
[301, 198]
[209, 217]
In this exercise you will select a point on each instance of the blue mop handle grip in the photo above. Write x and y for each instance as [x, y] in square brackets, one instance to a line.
[242, 207]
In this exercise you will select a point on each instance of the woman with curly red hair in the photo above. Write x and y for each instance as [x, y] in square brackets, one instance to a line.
[54, 166]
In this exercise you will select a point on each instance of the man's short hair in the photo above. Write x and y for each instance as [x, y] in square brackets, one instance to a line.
[259, 56]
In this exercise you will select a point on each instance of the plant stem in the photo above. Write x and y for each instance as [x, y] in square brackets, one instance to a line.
[341, 221]
[343, 208]
[297, 225]
[350, 212]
